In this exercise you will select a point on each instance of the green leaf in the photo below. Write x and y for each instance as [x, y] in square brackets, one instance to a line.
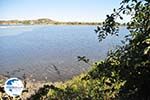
[146, 50]
[123, 11]
[114, 10]
[128, 7]
[147, 41]
[137, 5]
[121, 18]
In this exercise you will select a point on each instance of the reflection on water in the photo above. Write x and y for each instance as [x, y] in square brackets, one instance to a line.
[38, 50]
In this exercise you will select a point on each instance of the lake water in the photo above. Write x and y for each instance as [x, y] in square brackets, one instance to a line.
[50, 52]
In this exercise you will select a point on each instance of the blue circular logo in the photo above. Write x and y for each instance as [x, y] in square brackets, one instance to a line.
[13, 87]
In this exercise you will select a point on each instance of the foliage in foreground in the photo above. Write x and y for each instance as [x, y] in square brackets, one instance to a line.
[79, 89]
[124, 74]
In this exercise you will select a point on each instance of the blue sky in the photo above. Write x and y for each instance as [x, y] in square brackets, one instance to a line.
[59, 10]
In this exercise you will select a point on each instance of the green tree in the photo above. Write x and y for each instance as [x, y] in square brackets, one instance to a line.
[130, 62]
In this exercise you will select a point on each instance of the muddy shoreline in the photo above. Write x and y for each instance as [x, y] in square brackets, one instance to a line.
[31, 87]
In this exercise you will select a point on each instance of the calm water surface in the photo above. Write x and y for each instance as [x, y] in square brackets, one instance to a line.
[40, 51]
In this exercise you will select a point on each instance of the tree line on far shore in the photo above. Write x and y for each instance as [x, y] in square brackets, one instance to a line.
[46, 21]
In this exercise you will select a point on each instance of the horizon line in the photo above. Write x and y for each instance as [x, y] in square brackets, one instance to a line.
[19, 19]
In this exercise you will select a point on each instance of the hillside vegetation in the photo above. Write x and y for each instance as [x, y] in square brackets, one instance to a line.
[44, 21]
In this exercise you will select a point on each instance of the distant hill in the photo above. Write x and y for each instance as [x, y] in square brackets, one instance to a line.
[43, 21]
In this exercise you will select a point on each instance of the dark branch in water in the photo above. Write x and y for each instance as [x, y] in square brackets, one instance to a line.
[84, 59]
[57, 70]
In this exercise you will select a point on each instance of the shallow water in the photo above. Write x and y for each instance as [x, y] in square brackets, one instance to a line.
[50, 52]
